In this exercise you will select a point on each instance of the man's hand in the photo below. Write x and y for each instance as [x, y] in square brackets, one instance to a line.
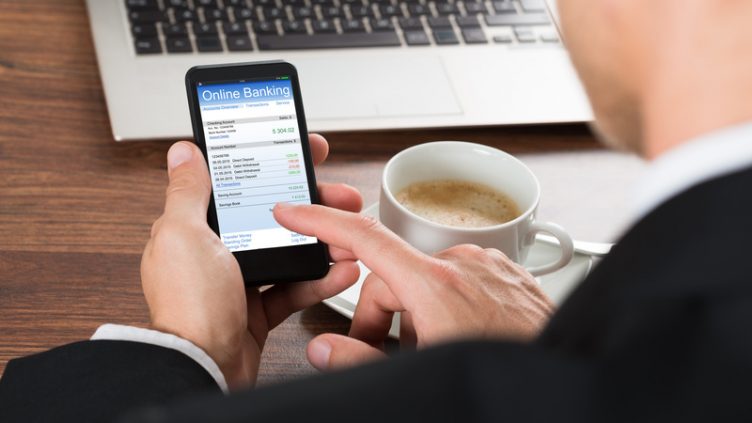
[193, 284]
[465, 291]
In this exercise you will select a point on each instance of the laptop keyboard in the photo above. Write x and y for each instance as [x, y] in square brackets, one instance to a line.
[185, 26]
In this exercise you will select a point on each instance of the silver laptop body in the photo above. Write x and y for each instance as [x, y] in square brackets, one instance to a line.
[520, 75]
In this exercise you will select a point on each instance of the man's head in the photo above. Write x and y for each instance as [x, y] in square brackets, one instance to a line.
[659, 72]
[600, 37]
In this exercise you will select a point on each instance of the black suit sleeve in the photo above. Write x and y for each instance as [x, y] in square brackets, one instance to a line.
[96, 381]
[470, 382]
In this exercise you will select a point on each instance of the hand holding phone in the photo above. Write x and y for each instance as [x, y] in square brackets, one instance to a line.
[249, 123]
[193, 284]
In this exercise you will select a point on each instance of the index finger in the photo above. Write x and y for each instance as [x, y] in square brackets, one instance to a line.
[381, 250]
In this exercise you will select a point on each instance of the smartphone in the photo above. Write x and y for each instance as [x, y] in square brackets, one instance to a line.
[248, 121]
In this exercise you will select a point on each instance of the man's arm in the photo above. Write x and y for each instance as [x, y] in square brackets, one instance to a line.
[96, 381]
[110, 332]
[197, 299]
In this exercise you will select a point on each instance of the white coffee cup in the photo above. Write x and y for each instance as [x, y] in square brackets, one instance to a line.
[463, 161]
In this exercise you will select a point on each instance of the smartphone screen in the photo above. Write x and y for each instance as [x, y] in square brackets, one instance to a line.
[255, 158]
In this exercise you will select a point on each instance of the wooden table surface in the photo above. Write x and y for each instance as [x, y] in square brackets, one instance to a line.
[76, 207]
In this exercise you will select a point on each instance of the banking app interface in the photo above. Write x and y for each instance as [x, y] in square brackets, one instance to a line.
[255, 159]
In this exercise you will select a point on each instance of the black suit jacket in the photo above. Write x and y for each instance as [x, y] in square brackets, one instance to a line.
[660, 331]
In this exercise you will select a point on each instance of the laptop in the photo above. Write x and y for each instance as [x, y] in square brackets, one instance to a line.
[363, 64]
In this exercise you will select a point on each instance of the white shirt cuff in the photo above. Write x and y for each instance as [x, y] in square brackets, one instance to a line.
[113, 332]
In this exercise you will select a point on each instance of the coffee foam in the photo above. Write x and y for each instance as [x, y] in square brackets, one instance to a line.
[458, 203]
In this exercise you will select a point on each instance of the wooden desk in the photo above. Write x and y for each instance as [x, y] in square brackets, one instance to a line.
[76, 207]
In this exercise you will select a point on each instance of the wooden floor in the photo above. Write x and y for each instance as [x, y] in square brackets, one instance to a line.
[76, 207]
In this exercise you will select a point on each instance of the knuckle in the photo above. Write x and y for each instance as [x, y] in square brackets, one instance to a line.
[464, 250]
[156, 226]
[497, 256]
[370, 286]
[171, 234]
[369, 224]
[316, 290]
[444, 271]
[185, 180]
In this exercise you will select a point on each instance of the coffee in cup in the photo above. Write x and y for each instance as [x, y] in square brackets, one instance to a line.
[458, 203]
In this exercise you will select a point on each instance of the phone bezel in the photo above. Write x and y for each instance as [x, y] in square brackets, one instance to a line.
[269, 265]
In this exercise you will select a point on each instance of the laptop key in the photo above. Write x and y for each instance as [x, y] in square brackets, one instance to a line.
[550, 37]
[418, 10]
[148, 46]
[185, 15]
[504, 6]
[294, 27]
[146, 16]
[416, 38]
[178, 45]
[273, 13]
[445, 36]
[514, 20]
[244, 14]
[410, 23]
[332, 12]
[234, 28]
[525, 35]
[183, 4]
[303, 13]
[503, 39]
[382, 24]
[352, 25]
[141, 4]
[208, 43]
[467, 21]
[474, 36]
[264, 27]
[206, 3]
[353, 40]
[446, 9]
[439, 22]
[322, 4]
[361, 11]
[533, 5]
[177, 30]
[214, 15]
[144, 31]
[474, 8]
[205, 29]
[323, 27]
[388, 10]
[239, 43]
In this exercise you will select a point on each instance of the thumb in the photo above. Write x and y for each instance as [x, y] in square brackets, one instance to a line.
[330, 352]
[189, 188]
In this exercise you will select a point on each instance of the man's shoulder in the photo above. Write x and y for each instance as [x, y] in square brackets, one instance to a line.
[696, 240]
[682, 265]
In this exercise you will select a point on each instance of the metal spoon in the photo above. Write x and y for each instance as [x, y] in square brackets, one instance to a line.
[595, 249]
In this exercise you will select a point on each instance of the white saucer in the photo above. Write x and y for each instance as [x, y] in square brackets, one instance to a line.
[557, 284]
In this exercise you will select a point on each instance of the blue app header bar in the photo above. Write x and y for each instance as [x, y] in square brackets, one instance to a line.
[243, 92]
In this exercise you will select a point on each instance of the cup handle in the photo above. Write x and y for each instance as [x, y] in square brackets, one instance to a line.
[565, 243]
